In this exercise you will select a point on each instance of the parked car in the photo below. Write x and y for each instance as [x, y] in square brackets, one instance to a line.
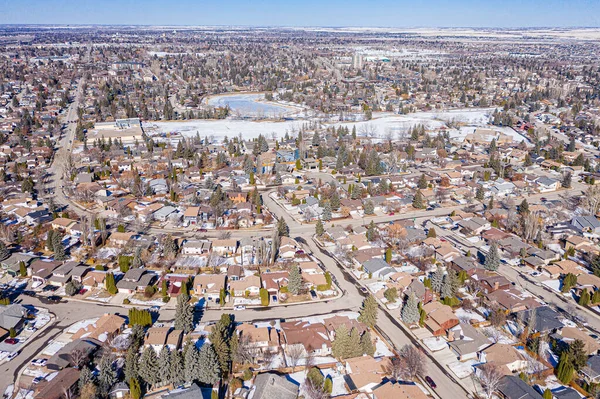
[12, 355]
[239, 307]
[11, 341]
[430, 382]
[274, 298]
[313, 294]
[39, 362]
[37, 380]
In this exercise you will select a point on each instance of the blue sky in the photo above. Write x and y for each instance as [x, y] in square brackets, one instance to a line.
[385, 13]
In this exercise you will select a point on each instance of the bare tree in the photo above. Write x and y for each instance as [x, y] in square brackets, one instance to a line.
[413, 361]
[294, 354]
[489, 377]
[590, 202]
[395, 368]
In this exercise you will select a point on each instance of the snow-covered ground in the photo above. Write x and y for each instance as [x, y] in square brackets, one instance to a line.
[381, 349]
[153, 302]
[435, 344]
[468, 315]
[462, 369]
[380, 126]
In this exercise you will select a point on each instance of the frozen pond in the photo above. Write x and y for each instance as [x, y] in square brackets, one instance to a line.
[248, 105]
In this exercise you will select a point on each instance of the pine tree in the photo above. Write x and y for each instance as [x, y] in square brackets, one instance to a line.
[368, 312]
[59, 252]
[354, 343]
[4, 252]
[164, 365]
[319, 229]
[371, 232]
[50, 240]
[437, 280]
[22, 269]
[340, 343]
[584, 299]
[565, 369]
[480, 193]
[524, 207]
[131, 363]
[192, 362]
[596, 297]
[282, 228]
[107, 377]
[418, 200]
[294, 280]
[177, 373]
[410, 310]
[422, 183]
[148, 368]
[184, 315]
[85, 377]
[492, 260]
[110, 284]
[326, 215]
[366, 344]
[135, 390]
[369, 208]
[220, 338]
[547, 394]
[449, 285]
[209, 371]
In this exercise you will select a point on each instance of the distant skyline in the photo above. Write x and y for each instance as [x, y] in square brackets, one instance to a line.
[354, 13]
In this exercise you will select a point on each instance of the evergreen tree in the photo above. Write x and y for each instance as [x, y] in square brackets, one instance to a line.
[578, 354]
[326, 215]
[480, 193]
[410, 310]
[418, 200]
[107, 377]
[566, 180]
[294, 280]
[110, 284]
[354, 343]
[492, 260]
[282, 228]
[366, 344]
[164, 365]
[371, 232]
[437, 280]
[177, 373]
[369, 207]
[59, 252]
[220, 338]
[368, 312]
[184, 315]
[431, 233]
[148, 368]
[584, 298]
[85, 377]
[4, 252]
[339, 346]
[422, 183]
[50, 240]
[596, 297]
[135, 390]
[565, 369]
[547, 394]
[209, 371]
[131, 363]
[319, 229]
[524, 207]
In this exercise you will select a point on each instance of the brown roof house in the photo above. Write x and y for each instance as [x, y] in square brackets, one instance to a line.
[440, 318]
[312, 338]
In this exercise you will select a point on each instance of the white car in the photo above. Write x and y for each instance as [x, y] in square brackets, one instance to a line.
[239, 307]
[39, 362]
[12, 356]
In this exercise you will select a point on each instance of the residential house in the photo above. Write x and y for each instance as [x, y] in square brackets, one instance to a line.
[62, 385]
[312, 338]
[365, 372]
[274, 386]
[440, 318]
[209, 285]
[136, 279]
[505, 356]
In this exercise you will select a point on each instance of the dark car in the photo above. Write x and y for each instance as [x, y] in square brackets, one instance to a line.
[29, 293]
[11, 341]
[54, 299]
[429, 381]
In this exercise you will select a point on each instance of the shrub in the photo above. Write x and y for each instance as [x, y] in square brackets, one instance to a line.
[284, 290]
[12, 332]
[323, 287]
[99, 267]
[126, 301]
[247, 375]
[149, 291]
[264, 297]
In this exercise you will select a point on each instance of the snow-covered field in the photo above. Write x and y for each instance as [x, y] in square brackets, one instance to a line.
[381, 125]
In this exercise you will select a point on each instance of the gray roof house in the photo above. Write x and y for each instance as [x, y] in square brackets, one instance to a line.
[468, 341]
[63, 359]
[546, 319]
[377, 268]
[135, 279]
[273, 386]
[11, 316]
[586, 223]
[512, 387]
[591, 371]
